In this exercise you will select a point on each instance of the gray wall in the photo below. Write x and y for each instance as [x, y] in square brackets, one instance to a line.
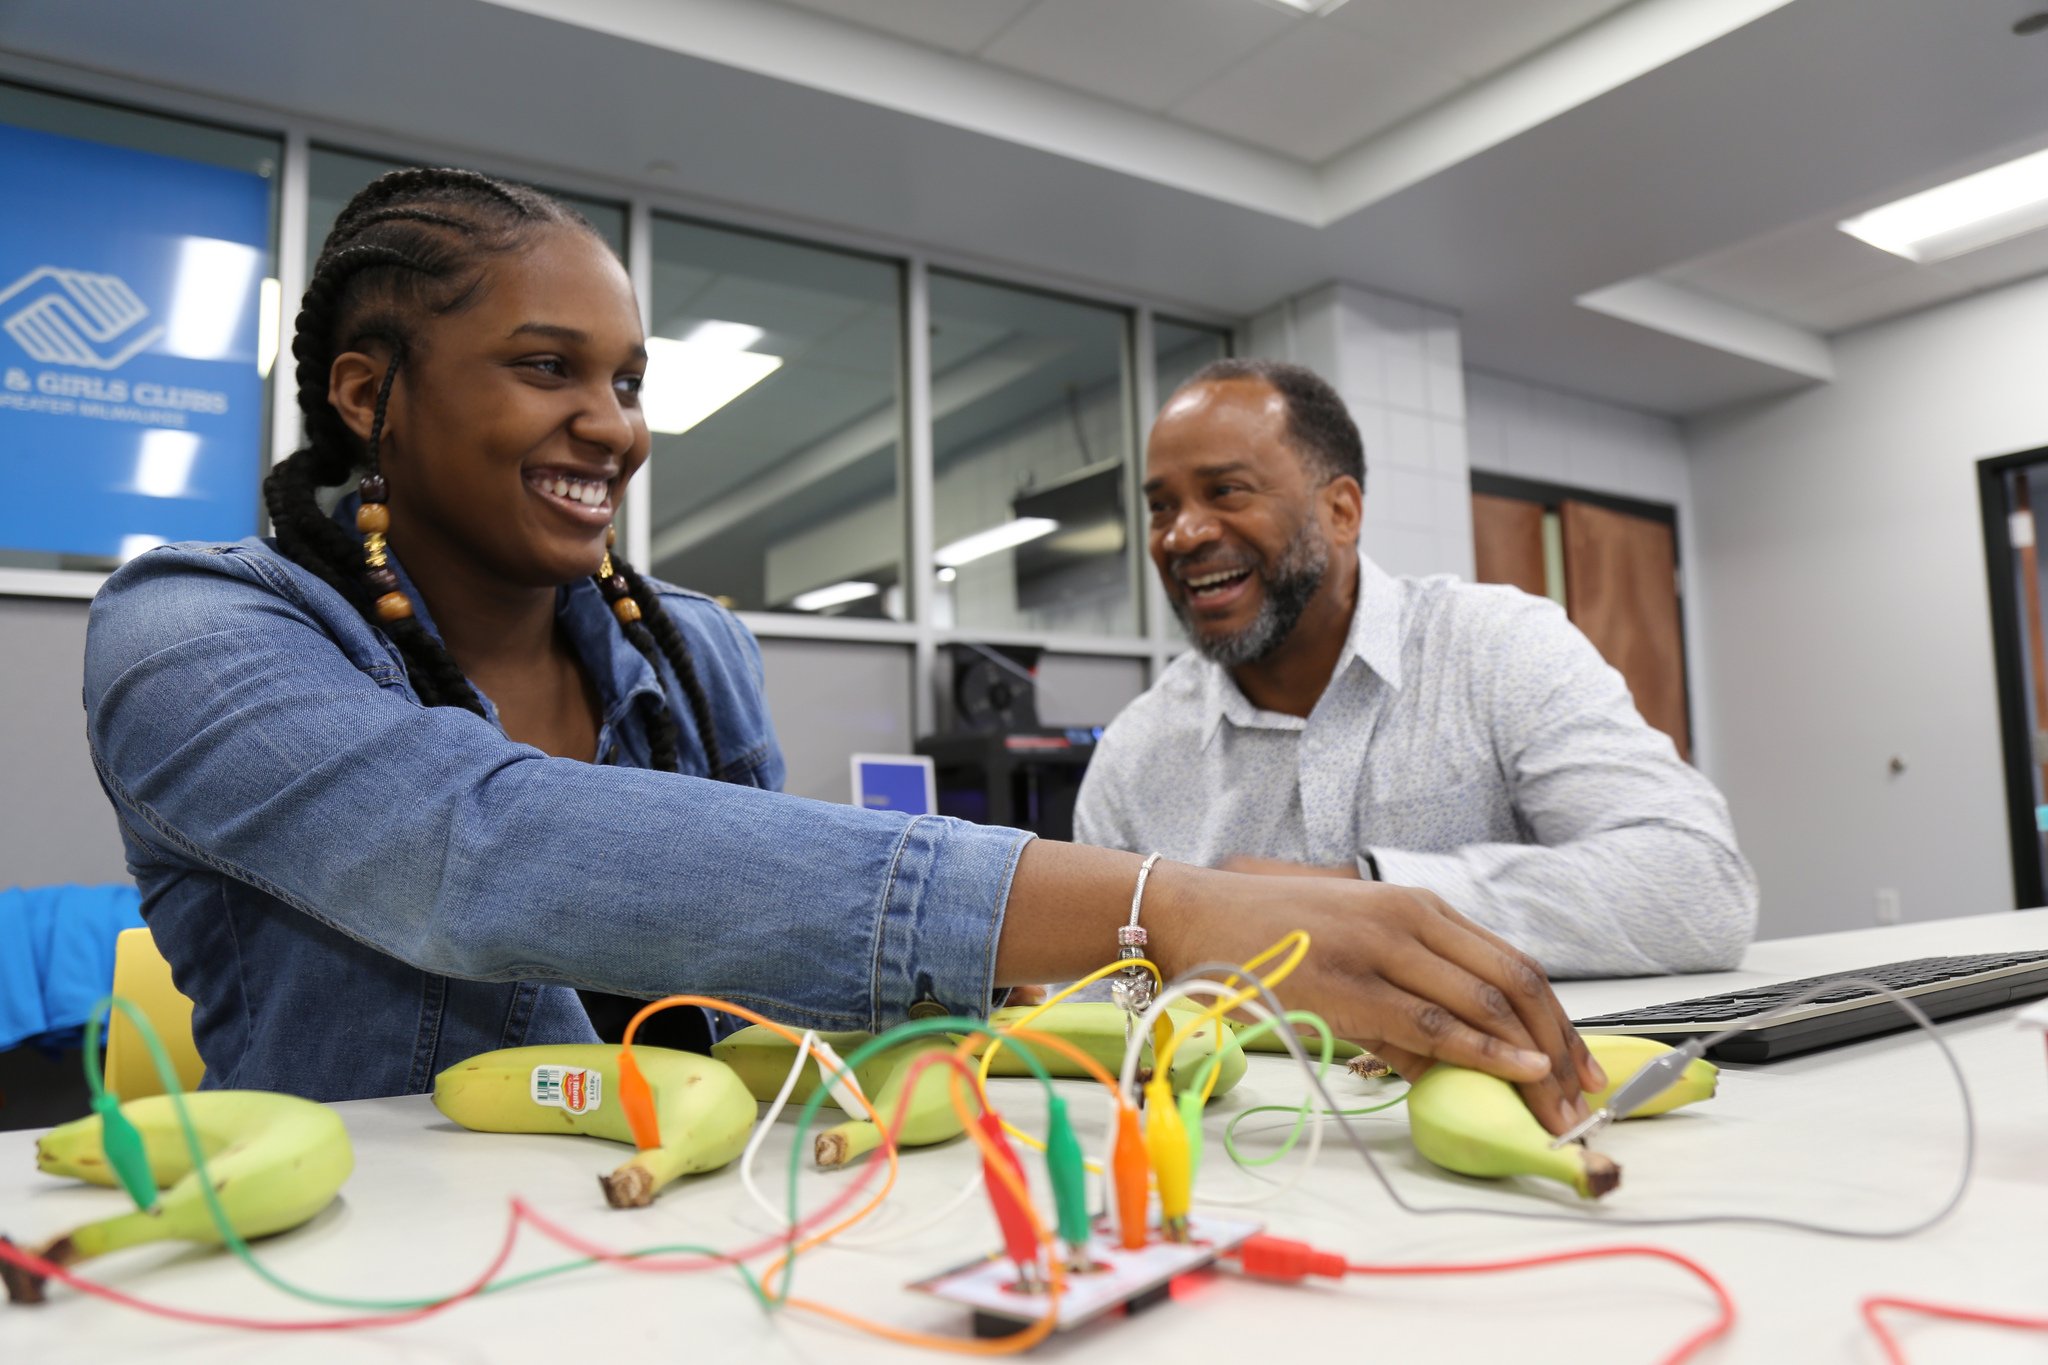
[831, 700]
[55, 823]
[1840, 535]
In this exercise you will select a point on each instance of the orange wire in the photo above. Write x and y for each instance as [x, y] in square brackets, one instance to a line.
[888, 1147]
[1023, 1340]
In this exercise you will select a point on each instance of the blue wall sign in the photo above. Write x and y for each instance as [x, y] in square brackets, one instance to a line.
[131, 406]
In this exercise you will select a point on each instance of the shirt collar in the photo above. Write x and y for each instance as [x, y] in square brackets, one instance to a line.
[1373, 640]
[622, 672]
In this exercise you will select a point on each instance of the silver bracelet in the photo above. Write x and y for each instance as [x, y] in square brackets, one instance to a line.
[1133, 988]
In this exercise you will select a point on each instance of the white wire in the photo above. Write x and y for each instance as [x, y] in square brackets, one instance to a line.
[1134, 1047]
[779, 1217]
[1905, 1003]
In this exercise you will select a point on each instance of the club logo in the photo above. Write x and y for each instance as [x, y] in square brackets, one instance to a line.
[73, 317]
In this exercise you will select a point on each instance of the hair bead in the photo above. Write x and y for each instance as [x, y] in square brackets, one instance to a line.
[373, 517]
[372, 488]
[381, 581]
[627, 610]
[393, 606]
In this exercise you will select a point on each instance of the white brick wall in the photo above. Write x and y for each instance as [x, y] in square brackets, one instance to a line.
[1537, 433]
[1397, 366]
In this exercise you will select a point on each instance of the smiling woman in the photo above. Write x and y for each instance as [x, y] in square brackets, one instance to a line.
[439, 773]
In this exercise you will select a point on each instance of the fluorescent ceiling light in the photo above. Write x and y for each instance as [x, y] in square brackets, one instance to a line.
[132, 546]
[163, 466]
[214, 281]
[687, 381]
[982, 544]
[1310, 6]
[726, 336]
[271, 303]
[833, 595]
[1963, 215]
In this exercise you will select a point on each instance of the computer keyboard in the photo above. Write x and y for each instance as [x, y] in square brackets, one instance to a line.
[1942, 986]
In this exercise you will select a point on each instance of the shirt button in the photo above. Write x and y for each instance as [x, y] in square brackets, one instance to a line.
[927, 1009]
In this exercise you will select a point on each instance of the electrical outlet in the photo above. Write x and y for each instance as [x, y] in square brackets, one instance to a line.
[1888, 911]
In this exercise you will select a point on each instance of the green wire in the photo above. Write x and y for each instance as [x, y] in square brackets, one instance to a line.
[1322, 1029]
[1230, 1129]
[233, 1239]
[902, 1033]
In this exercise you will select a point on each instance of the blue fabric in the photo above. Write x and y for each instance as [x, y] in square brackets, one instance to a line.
[357, 891]
[57, 958]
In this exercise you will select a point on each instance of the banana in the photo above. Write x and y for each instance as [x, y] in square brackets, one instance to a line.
[1621, 1057]
[931, 1117]
[276, 1160]
[704, 1110]
[1097, 1028]
[1476, 1124]
[762, 1058]
[1271, 1041]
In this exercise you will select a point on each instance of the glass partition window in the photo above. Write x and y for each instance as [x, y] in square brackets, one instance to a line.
[1031, 447]
[333, 177]
[774, 389]
[1181, 348]
[135, 344]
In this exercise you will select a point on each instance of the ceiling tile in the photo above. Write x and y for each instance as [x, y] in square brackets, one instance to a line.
[1472, 37]
[1882, 298]
[1778, 271]
[1146, 53]
[958, 25]
[2021, 258]
[1314, 92]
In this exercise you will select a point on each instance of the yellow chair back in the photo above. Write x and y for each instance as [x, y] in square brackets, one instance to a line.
[143, 977]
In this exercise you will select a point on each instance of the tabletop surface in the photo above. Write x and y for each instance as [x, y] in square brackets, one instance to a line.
[1866, 1136]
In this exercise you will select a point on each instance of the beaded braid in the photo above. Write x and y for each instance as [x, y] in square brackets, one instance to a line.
[405, 233]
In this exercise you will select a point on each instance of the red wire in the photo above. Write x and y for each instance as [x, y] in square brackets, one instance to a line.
[1720, 1327]
[521, 1213]
[1892, 1350]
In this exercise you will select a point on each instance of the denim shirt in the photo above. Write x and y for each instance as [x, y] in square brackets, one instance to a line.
[358, 891]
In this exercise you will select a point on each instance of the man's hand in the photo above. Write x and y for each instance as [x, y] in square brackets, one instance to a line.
[1395, 970]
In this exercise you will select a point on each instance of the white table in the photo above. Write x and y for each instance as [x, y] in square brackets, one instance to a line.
[1867, 1135]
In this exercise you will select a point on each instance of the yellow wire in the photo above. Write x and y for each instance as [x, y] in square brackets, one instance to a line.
[988, 1057]
[1295, 945]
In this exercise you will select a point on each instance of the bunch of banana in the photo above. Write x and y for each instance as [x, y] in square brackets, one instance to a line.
[1475, 1124]
[704, 1111]
[275, 1161]
[1097, 1027]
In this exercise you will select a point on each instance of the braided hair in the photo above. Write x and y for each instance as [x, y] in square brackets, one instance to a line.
[409, 246]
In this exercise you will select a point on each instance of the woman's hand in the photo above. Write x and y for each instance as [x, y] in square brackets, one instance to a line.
[1391, 968]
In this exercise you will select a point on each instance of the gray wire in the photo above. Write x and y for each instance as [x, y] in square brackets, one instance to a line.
[1918, 1016]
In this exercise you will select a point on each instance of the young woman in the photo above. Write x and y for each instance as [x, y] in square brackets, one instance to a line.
[399, 781]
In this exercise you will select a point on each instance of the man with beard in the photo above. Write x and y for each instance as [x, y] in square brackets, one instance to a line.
[1335, 720]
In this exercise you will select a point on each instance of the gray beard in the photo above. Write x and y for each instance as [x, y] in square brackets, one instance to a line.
[1288, 589]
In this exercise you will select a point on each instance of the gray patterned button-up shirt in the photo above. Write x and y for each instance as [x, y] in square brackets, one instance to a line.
[1477, 744]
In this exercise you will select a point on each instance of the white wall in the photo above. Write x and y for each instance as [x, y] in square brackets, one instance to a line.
[1397, 366]
[1848, 620]
[1538, 433]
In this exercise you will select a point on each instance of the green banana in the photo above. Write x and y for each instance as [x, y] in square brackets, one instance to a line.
[1621, 1057]
[275, 1161]
[703, 1109]
[930, 1115]
[1096, 1027]
[1271, 1041]
[761, 1057]
[1476, 1124]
